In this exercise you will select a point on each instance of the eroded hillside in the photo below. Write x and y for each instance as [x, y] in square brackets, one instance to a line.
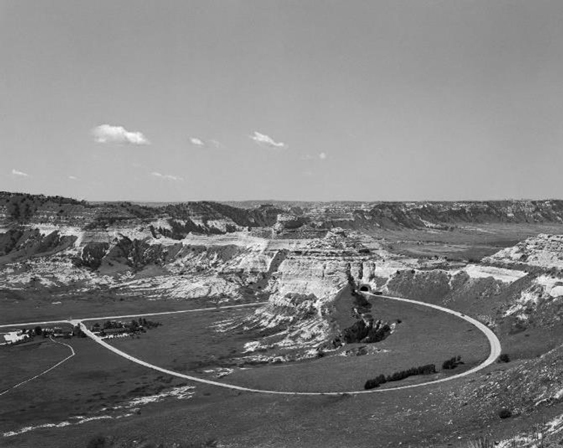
[489, 260]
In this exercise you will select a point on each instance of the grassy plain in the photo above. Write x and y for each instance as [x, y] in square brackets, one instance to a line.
[471, 242]
[186, 344]
[424, 336]
[33, 305]
[27, 360]
[432, 416]
[90, 381]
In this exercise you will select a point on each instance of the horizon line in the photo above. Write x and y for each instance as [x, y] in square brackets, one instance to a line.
[266, 201]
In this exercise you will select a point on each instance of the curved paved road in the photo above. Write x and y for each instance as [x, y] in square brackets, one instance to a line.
[491, 337]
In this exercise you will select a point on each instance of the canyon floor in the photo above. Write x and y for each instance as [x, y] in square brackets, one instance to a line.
[283, 298]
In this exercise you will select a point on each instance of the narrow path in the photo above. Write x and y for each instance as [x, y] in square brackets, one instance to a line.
[495, 350]
[72, 353]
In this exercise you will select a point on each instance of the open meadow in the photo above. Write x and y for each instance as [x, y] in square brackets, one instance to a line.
[187, 344]
[86, 387]
[35, 306]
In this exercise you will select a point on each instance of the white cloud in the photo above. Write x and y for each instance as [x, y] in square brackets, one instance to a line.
[200, 143]
[106, 133]
[19, 173]
[265, 140]
[322, 156]
[216, 144]
[167, 177]
[73, 177]
[197, 142]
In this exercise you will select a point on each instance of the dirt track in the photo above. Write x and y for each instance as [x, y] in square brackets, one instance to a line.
[72, 353]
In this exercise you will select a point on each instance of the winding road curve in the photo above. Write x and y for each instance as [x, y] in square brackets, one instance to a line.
[495, 350]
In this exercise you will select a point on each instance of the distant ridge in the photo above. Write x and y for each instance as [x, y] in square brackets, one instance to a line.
[208, 217]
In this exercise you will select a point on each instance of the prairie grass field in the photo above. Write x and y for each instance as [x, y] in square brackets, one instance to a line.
[91, 381]
[186, 343]
[16, 306]
[470, 242]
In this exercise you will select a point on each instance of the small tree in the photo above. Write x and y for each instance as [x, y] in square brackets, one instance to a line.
[38, 331]
[98, 441]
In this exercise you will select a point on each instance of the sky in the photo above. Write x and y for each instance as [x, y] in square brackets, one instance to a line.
[290, 100]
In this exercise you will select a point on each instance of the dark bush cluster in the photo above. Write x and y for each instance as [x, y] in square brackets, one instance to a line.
[356, 332]
[134, 327]
[504, 413]
[362, 332]
[427, 369]
[504, 358]
[452, 363]
[375, 382]
[98, 441]
[378, 335]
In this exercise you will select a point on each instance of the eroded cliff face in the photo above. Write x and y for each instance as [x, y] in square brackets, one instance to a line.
[540, 300]
[302, 294]
[298, 276]
[297, 279]
[134, 257]
[543, 251]
[229, 254]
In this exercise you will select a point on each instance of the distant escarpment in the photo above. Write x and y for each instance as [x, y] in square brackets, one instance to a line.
[313, 217]
[173, 220]
[281, 219]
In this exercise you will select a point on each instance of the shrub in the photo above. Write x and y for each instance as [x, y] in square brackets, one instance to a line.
[504, 413]
[98, 441]
[356, 332]
[452, 363]
[504, 358]
[374, 335]
[401, 375]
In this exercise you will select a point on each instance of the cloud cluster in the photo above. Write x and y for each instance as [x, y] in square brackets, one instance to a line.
[322, 156]
[200, 143]
[266, 141]
[19, 173]
[107, 133]
[197, 142]
[167, 177]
